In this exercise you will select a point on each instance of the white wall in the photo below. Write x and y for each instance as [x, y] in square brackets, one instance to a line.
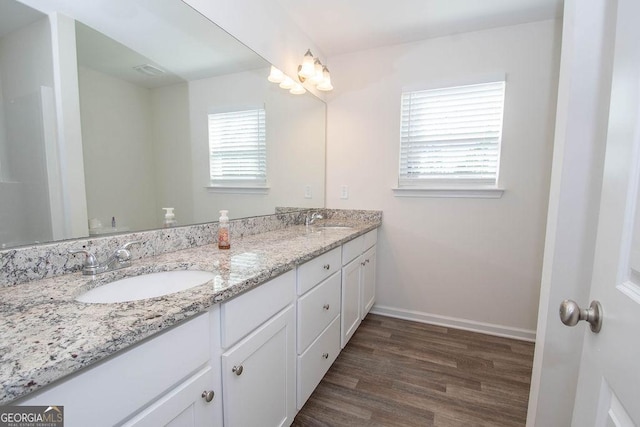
[118, 150]
[172, 152]
[473, 263]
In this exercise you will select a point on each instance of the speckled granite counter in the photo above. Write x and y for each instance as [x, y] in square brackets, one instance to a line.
[47, 335]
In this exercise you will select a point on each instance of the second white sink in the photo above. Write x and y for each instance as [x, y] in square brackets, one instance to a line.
[146, 286]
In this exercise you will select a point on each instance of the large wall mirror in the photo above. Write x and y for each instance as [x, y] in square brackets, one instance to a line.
[105, 113]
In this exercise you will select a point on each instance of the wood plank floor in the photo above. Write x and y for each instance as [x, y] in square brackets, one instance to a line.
[399, 373]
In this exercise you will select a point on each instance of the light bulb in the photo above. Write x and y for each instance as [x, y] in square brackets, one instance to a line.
[297, 89]
[275, 76]
[325, 85]
[287, 83]
[306, 69]
[317, 75]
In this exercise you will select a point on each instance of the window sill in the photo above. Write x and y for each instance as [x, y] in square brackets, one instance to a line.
[230, 189]
[461, 192]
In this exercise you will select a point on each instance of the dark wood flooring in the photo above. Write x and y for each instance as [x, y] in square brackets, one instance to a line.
[399, 373]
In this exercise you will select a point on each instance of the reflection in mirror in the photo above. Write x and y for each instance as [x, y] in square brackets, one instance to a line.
[106, 123]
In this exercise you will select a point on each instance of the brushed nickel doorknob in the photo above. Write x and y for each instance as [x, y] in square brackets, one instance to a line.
[571, 314]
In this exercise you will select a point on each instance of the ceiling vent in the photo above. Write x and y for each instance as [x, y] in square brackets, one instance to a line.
[149, 70]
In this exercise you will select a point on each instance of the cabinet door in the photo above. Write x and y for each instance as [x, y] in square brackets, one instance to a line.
[368, 281]
[183, 406]
[258, 375]
[350, 313]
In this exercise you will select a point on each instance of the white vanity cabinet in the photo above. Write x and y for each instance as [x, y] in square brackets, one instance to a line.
[162, 381]
[318, 320]
[252, 360]
[358, 282]
[258, 359]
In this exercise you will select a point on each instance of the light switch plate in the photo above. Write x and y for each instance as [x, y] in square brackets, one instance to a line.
[307, 192]
[344, 192]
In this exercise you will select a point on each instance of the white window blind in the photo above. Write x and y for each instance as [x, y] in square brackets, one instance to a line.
[237, 148]
[451, 135]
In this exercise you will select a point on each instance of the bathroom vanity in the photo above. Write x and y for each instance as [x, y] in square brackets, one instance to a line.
[247, 348]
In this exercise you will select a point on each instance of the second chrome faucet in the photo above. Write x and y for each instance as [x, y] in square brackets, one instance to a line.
[120, 258]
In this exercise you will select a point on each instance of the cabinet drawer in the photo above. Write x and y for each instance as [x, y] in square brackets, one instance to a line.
[370, 239]
[316, 361]
[313, 272]
[246, 312]
[352, 249]
[316, 309]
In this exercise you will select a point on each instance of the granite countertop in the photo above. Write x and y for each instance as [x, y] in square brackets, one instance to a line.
[47, 335]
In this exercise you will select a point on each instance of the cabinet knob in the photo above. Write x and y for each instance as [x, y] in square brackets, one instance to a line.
[363, 263]
[367, 260]
[326, 266]
[208, 395]
[237, 370]
[326, 306]
[325, 355]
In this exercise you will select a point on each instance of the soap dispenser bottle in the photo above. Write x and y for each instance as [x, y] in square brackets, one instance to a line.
[169, 218]
[223, 231]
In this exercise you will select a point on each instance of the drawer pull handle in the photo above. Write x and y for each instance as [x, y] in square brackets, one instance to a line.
[208, 395]
[237, 370]
[326, 266]
[326, 306]
[325, 355]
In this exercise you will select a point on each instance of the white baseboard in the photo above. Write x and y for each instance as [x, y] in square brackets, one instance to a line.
[452, 322]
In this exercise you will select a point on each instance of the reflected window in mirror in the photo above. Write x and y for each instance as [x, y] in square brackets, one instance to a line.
[238, 149]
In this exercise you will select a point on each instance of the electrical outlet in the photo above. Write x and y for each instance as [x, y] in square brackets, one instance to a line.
[307, 192]
[344, 192]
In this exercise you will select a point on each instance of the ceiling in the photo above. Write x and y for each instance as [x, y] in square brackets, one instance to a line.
[342, 26]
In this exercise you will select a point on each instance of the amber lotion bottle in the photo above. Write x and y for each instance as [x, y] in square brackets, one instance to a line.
[223, 231]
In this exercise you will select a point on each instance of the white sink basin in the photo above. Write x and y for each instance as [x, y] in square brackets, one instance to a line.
[146, 286]
[334, 227]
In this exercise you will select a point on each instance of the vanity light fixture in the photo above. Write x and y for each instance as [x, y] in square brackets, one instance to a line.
[311, 71]
[325, 84]
[297, 89]
[317, 73]
[306, 69]
[275, 76]
[314, 72]
[287, 83]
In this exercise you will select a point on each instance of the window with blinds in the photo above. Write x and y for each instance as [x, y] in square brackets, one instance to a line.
[451, 135]
[237, 148]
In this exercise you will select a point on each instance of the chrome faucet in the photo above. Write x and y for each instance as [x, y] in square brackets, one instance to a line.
[310, 219]
[121, 258]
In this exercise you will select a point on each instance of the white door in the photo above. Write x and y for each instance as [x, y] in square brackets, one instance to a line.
[187, 405]
[608, 392]
[259, 375]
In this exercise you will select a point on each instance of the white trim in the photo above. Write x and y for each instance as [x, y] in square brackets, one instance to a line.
[450, 82]
[452, 322]
[631, 290]
[230, 189]
[478, 193]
